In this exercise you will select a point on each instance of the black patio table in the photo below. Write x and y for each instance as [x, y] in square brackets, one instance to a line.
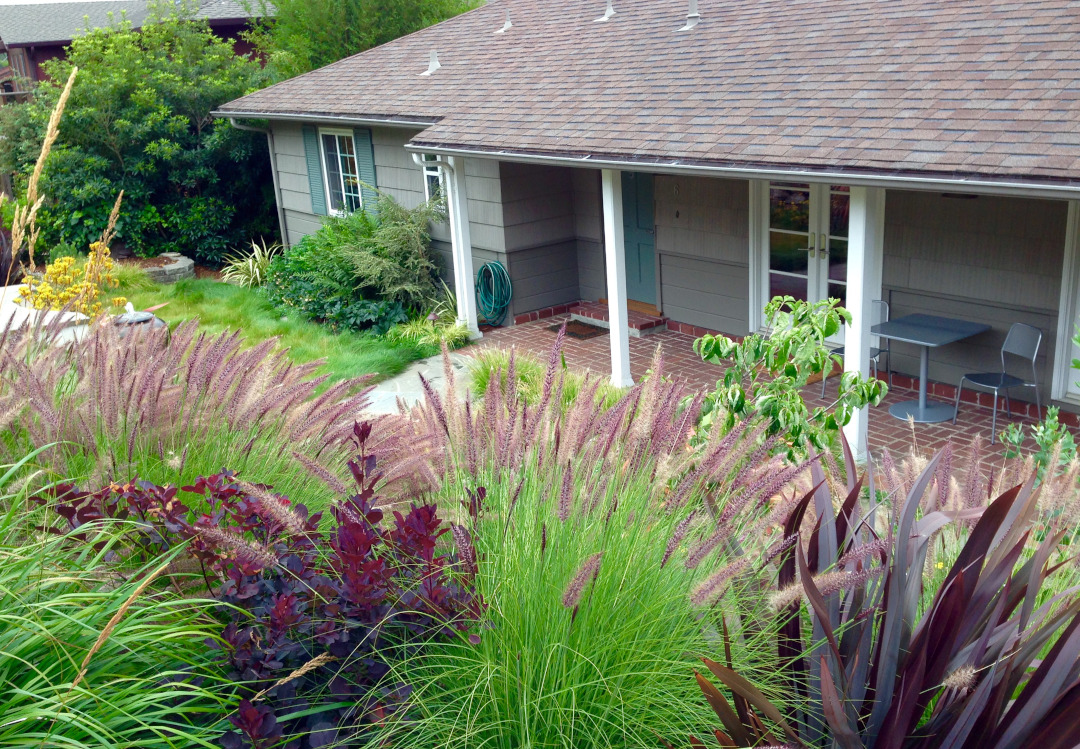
[926, 331]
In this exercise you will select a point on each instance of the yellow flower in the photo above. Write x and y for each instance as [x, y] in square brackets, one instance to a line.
[940, 565]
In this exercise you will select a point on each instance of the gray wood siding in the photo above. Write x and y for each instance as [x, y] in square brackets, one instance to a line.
[537, 205]
[990, 259]
[706, 293]
[539, 226]
[703, 249]
[544, 276]
[589, 229]
[398, 175]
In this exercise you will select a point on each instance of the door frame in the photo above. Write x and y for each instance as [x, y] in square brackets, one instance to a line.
[817, 280]
[1068, 309]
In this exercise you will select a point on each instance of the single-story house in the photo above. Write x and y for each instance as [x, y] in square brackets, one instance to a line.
[31, 33]
[691, 160]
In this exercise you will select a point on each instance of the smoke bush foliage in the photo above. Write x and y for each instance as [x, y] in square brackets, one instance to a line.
[139, 121]
[311, 613]
[601, 544]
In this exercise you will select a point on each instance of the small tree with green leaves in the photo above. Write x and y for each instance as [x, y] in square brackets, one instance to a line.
[297, 36]
[765, 373]
[139, 121]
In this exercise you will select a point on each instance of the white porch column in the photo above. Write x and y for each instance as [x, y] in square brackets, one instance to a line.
[866, 230]
[457, 205]
[615, 262]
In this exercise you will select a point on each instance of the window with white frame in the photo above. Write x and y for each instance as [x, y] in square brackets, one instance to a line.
[340, 170]
[433, 178]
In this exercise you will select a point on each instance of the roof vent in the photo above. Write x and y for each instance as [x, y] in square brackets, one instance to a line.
[607, 13]
[506, 26]
[692, 17]
[433, 63]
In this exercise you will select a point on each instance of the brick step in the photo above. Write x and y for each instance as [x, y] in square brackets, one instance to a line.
[639, 324]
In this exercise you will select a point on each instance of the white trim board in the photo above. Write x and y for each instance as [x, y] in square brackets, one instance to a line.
[980, 186]
[1068, 309]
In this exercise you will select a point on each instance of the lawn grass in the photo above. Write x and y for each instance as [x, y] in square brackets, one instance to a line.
[220, 306]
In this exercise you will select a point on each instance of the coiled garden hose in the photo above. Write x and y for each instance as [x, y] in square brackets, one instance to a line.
[493, 292]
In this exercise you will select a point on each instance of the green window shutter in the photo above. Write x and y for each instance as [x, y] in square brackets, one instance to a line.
[314, 170]
[365, 164]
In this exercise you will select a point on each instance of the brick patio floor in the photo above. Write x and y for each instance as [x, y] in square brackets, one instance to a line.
[899, 437]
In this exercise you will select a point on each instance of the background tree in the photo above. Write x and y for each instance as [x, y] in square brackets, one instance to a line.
[301, 35]
[139, 121]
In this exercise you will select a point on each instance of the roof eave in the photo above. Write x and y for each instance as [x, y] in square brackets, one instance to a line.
[369, 120]
[1032, 187]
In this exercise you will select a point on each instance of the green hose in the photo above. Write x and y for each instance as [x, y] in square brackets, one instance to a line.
[493, 292]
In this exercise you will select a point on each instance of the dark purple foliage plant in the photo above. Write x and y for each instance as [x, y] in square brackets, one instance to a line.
[308, 612]
[990, 659]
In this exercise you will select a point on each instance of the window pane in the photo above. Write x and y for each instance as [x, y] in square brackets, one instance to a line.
[432, 184]
[787, 252]
[350, 178]
[838, 291]
[782, 285]
[333, 172]
[837, 259]
[789, 209]
[838, 214]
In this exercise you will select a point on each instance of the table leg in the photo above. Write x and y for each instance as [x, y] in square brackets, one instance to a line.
[919, 410]
[924, 369]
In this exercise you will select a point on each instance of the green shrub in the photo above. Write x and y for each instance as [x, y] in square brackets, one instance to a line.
[300, 35]
[302, 279]
[529, 378]
[139, 121]
[360, 272]
[765, 372]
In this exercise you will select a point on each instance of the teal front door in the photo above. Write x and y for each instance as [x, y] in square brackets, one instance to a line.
[639, 236]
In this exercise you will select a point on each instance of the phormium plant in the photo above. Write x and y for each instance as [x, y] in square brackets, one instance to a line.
[993, 661]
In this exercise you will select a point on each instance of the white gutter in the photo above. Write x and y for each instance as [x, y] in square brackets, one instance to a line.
[343, 119]
[896, 181]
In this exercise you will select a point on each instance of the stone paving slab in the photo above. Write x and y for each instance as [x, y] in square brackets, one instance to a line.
[15, 316]
[406, 386]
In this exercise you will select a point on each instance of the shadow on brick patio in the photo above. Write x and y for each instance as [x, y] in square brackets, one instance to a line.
[537, 337]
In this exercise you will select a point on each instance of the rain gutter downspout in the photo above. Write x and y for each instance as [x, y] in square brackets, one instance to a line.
[282, 224]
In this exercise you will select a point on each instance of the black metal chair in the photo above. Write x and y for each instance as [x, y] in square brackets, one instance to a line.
[1023, 342]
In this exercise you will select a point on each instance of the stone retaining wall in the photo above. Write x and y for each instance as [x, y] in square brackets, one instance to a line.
[180, 268]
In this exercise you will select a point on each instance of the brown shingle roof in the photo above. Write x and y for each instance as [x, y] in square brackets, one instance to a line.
[985, 88]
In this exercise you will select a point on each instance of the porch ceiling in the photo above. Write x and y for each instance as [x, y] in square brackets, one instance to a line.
[987, 90]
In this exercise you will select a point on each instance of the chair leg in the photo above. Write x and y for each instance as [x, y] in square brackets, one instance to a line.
[956, 406]
[1038, 404]
[1008, 404]
[993, 420]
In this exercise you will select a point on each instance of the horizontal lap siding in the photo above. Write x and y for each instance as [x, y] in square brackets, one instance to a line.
[589, 230]
[703, 244]
[987, 259]
[539, 230]
[401, 178]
